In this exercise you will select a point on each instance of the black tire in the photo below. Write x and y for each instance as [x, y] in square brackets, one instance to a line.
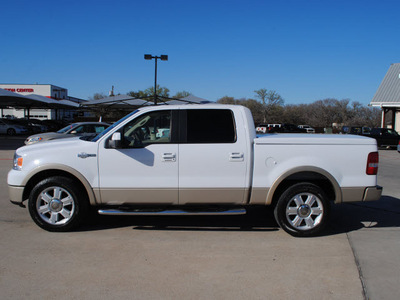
[58, 204]
[302, 210]
[11, 131]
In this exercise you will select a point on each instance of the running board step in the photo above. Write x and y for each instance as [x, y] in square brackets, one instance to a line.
[173, 212]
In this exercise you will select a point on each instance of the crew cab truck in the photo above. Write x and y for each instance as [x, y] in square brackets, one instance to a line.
[210, 162]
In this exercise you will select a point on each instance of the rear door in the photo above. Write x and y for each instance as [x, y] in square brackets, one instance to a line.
[212, 157]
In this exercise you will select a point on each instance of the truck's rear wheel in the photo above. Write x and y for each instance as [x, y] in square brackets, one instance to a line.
[302, 210]
[57, 204]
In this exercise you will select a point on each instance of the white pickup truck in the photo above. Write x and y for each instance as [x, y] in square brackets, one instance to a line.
[193, 159]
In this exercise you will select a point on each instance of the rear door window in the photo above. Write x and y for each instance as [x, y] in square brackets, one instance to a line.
[210, 126]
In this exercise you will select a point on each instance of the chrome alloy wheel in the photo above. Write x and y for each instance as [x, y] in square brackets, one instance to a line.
[304, 211]
[55, 205]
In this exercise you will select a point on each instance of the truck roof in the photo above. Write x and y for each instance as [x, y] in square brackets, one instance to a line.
[192, 106]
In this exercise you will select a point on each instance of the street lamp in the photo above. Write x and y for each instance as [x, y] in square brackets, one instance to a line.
[150, 57]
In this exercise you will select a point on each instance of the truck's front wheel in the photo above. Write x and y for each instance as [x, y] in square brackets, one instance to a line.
[302, 210]
[57, 204]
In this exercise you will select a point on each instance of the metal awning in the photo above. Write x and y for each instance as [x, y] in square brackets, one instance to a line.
[116, 102]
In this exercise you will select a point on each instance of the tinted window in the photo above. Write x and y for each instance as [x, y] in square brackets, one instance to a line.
[391, 132]
[210, 126]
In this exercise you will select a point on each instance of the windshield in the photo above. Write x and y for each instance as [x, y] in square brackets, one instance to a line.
[66, 128]
[97, 137]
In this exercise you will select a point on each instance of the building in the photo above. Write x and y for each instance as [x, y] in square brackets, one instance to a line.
[387, 97]
[46, 90]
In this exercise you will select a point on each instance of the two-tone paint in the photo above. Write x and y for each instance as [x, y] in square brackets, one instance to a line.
[250, 171]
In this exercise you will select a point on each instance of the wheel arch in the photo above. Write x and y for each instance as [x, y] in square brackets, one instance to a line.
[47, 171]
[311, 174]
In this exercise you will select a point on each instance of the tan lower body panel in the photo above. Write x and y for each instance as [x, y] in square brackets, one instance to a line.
[234, 196]
[173, 197]
[352, 194]
[355, 194]
[349, 194]
[139, 196]
[259, 196]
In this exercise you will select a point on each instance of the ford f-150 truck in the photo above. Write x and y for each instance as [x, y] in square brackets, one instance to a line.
[193, 159]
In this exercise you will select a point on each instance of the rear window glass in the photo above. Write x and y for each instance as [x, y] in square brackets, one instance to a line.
[210, 126]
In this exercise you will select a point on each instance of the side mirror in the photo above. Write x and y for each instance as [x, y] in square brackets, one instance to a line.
[115, 142]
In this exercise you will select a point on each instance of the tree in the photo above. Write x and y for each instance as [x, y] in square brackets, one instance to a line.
[161, 91]
[273, 98]
[262, 95]
[227, 100]
[97, 96]
[138, 94]
[269, 98]
[181, 94]
[149, 93]
[272, 103]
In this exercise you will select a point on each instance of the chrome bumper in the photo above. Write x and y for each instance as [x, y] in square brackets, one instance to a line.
[16, 194]
[372, 193]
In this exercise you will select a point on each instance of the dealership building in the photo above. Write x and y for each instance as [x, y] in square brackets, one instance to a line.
[387, 98]
[40, 91]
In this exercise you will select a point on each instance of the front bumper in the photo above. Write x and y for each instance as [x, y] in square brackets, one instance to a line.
[16, 194]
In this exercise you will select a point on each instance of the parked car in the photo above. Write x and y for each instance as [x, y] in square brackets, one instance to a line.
[287, 128]
[75, 129]
[385, 137]
[34, 126]
[10, 127]
[162, 132]
[261, 128]
[266, 128]
[308, 128]
[358, 130]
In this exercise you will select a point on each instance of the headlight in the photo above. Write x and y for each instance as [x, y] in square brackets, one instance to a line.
[17, 163]
[34, 140]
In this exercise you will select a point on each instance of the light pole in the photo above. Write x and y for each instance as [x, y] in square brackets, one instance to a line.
[150, 57]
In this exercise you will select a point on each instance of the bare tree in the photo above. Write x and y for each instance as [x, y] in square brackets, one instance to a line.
[97, 96]
[262, 95]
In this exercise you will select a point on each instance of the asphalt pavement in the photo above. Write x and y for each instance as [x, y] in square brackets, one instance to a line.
[236, 257]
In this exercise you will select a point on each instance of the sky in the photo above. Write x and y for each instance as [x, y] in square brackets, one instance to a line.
[304, 50]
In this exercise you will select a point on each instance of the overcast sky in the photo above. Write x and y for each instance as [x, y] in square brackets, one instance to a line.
[304, 50]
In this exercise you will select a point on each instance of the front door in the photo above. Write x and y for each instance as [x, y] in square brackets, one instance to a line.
[145, 169]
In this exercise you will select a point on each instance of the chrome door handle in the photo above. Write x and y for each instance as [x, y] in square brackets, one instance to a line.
[236, 156]
[169, 157]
